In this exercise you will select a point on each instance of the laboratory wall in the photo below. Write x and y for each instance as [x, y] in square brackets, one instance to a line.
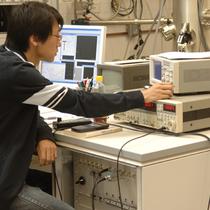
[131, 29]
[123, 38]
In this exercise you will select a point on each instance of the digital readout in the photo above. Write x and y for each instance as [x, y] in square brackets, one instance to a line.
[169, 108]
[150, 106]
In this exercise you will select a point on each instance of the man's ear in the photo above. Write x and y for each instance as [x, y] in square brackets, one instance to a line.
[33, 41]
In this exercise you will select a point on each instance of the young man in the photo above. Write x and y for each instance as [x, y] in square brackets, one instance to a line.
[33, 35]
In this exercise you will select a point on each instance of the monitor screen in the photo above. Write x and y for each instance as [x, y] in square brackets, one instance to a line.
[82, 48]
[157, 70]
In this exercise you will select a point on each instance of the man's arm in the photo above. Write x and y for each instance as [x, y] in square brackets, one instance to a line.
[30, 87]
[46, 147]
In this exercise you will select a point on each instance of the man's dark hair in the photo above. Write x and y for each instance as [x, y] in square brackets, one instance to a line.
[30, 18]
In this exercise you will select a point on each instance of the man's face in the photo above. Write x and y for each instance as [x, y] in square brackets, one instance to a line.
[47, 50]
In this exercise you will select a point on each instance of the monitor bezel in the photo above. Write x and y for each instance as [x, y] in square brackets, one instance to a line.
[101, 56]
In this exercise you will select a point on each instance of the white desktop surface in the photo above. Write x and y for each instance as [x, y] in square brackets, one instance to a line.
[169, 169]
[149, 148]
[152, 147]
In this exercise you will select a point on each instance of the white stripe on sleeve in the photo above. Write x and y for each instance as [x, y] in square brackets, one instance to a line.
[49, 94]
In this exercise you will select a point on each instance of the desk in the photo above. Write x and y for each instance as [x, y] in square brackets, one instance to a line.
[157, 172]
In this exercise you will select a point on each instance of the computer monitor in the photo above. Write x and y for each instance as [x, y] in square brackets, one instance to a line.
[82, 48]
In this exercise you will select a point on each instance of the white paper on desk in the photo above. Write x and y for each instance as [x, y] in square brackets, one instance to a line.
[185, 55]
[51, 115]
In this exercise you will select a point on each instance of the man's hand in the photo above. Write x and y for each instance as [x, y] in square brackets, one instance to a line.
[47, 152]
[157, 91]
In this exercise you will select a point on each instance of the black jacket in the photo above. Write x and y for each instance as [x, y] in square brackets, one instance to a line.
[22, 89]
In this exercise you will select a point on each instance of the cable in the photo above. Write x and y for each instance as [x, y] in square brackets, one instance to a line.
[118, 157]
[158, 24]
[102, 171]
[141, 47]
[129, 128]
[106, 177]
[208, 207]
[56, 180]
[140, 40]
[139, 52]
[123, 11]
[75, 9]
[184, 134]
[139, 31]
[141, 10]
[201, 32]
[135, 127]
[135, 9]
[198, 134]
[162, 130]
[127, 47]
[103, 19]
[93, 191]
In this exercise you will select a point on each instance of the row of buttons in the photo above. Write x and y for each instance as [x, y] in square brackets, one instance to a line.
[116, 203]
[167, 73]
[142, 118]
[167, 121]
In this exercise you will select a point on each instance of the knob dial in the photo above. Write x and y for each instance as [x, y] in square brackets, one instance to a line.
[81, 180]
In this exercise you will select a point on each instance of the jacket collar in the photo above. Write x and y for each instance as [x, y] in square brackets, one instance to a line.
[20, 55]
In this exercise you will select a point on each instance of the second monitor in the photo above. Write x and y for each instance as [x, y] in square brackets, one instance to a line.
[82, 48]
